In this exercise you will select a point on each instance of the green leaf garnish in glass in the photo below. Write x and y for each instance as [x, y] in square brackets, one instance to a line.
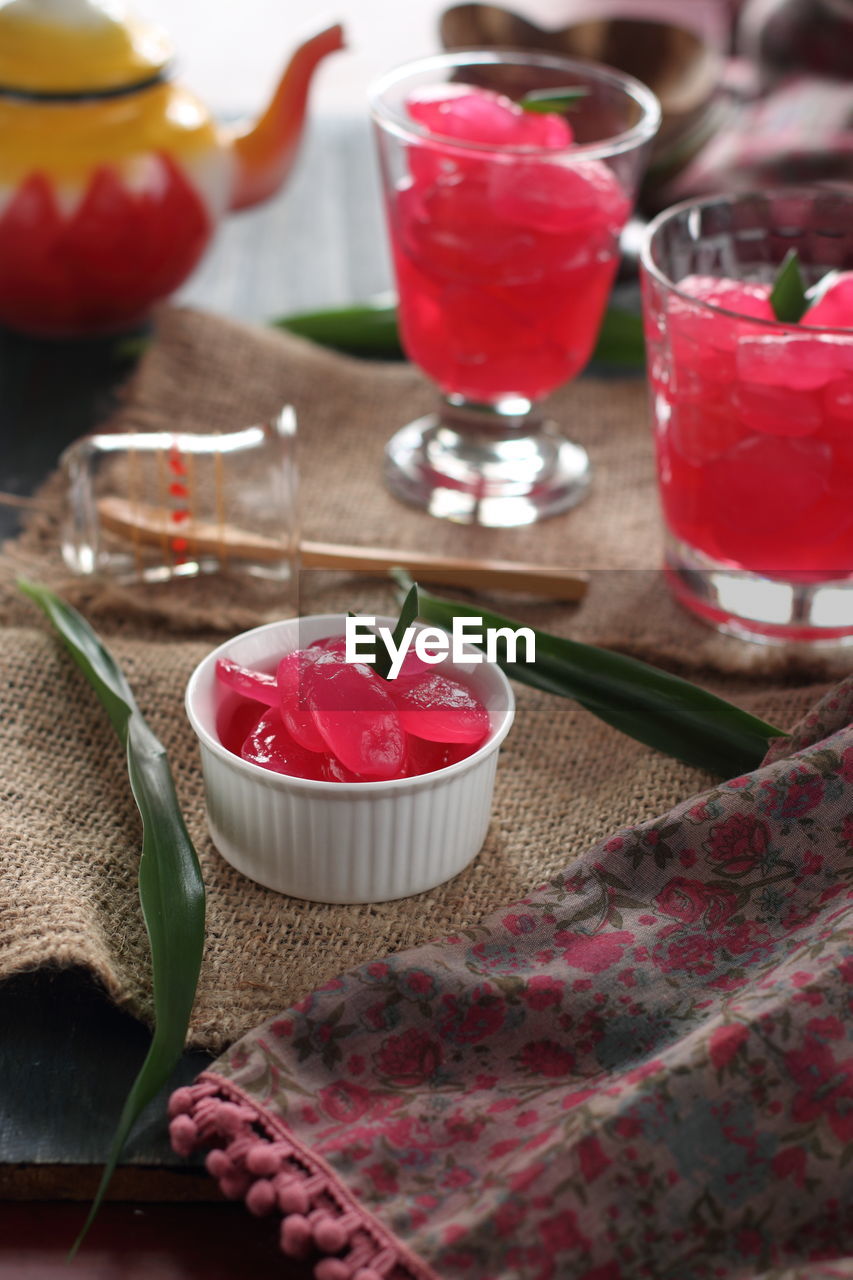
[788, 296]
[171, 891]
[552, 101]
[656, 708]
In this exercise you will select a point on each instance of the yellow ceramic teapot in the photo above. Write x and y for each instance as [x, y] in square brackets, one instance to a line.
[113, 178]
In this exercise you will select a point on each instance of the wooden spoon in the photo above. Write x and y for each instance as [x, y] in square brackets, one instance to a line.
[151, 526]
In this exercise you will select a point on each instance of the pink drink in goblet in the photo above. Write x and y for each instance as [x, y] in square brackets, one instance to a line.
[754, 417]
[503, 263]
[504, 229]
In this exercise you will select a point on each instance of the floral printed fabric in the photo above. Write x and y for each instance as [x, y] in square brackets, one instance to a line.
[644, 1069]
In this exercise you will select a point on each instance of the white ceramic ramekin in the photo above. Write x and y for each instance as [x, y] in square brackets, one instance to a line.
[334, 841]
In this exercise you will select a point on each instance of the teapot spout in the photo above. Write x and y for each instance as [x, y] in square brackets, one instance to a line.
[265, 151]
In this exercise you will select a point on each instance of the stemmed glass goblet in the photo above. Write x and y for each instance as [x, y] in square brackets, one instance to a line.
[505, 244]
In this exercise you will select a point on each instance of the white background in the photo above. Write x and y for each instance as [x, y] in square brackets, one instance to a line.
[231, 51]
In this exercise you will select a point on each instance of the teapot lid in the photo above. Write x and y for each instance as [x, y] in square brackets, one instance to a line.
[76, 47]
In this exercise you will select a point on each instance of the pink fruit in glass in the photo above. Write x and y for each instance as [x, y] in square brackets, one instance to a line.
[751, 392]
[743, 297]
[763, 486]
[271, 746]
[259, 685]
[834, 309]
[504, 262]
[701, 429]
[755, 459]
[704, 342]
[582, 198]
[777, 411]
[439, 709]
[792, 361]
[838, 403]
[479, 115]
[504, 218]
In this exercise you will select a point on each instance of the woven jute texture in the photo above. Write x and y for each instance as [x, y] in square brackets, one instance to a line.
[69, 833]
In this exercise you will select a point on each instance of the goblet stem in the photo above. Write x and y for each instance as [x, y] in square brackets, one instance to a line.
[497, 465]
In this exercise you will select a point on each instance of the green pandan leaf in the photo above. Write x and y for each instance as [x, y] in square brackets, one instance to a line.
[659, 709]
[620, 340]
[788, 297]
[370, 329]
[408, 613]
[171, 891]
[552, 101]
[367, 329]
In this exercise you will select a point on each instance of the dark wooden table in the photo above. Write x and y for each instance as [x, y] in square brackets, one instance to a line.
[140, 1241]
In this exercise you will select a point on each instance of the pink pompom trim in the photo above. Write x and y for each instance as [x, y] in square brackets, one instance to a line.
[254, 1157]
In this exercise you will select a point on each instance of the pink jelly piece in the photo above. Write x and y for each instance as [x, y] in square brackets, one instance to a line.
[270, 745]
[471, 114]
[744, 297]
[331, 644]
[578, 199]
[259, 685]
[435, 707]
[838, 401]
[449, 235]
[547, 130]
[834, 310]
[335, 771]
[235, 719]
[504, 261]
[701, 430]
[355, 716]
[705, 342]
[777, 411]
[297, 718]
[423, 756]
[463, 270]
[760, 487]
[796, 361]
[412, 666]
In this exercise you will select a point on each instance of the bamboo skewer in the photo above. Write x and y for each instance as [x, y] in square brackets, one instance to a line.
[149, 525]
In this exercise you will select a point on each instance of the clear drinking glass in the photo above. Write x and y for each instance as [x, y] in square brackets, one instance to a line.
[504, 256]
[753, 418]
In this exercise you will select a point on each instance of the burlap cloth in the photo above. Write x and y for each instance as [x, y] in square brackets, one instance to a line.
[69, 834]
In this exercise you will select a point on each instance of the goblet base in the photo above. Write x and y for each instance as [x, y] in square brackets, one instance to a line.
[478, 465]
